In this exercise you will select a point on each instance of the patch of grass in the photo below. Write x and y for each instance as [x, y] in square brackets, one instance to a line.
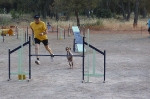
[90, 23]
[95, 24]
[114, 24]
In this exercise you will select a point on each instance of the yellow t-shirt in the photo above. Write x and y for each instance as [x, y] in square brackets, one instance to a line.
[37, 29]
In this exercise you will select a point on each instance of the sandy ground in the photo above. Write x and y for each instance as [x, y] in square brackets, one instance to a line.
[127, 69]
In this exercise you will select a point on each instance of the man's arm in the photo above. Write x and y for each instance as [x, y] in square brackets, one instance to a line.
[45, 32]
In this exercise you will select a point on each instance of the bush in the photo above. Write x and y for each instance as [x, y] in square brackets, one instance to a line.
[1, 11]
[15, 14]
[99, 23]
[103, 13]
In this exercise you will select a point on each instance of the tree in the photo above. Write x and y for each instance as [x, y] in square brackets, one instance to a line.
[128, 10]
[77, 6]
[146, 5]
[136, 11]
[125, 6]
[33, 6]
[144, 8]
[7, 4]
[44, 7]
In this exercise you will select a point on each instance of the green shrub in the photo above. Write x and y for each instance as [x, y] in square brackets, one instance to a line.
[99, 22]
[114, 15]
[14, 14]
[103, 13]
[1, 11]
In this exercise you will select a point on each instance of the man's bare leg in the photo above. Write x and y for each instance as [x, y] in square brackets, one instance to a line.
[49, 49]
[37, 53]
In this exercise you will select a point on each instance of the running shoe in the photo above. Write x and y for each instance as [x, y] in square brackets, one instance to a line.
[52, 56]
[37, 62]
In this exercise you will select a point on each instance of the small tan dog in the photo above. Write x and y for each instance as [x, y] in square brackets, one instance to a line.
[69, 57]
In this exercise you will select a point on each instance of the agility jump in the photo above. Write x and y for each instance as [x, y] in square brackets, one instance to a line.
[29, 43]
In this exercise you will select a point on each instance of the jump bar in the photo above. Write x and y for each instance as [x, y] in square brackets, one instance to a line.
[58, 55]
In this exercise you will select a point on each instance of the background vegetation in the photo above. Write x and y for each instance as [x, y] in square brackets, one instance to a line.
[75, 10]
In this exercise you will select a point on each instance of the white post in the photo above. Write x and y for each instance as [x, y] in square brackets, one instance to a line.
[88, 41]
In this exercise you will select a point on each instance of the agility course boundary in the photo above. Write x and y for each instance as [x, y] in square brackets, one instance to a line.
[29, 43]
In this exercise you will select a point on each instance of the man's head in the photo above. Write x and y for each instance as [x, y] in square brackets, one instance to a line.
[37, 19]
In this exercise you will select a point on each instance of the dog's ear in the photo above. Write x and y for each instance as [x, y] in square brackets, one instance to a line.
[70, 48]
[66, 48]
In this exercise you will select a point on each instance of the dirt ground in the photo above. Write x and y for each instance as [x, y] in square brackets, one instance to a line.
[127, 69]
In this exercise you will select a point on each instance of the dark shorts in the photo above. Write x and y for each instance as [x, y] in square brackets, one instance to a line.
[149, 29]
[37, 41]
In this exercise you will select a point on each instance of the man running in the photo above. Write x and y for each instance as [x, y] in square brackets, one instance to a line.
[40, 35]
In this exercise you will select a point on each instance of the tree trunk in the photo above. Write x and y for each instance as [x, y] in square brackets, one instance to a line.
[77, 16]
[107, 3]
[129, 11]
[44, 11]
[67, 16]
[136, 13]
[123, 11]
[44, 14]
[144, 12]
[57, 17]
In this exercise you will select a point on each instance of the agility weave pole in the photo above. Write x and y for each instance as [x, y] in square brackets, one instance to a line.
[60, 33]
[69, 30]
[3, 35]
